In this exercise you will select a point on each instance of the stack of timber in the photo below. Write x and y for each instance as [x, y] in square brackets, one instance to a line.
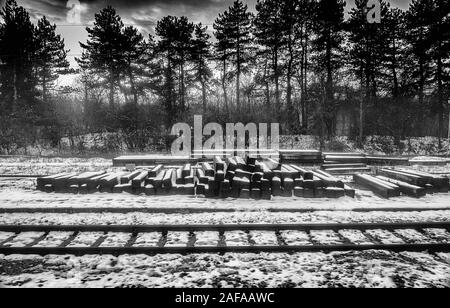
[71, 182]
[151, 160]
[263, 179]
[301, 157]
[170, 181]
[345, 163]
[394, 182]
[249, 178]
[235, 177]
[432, 183]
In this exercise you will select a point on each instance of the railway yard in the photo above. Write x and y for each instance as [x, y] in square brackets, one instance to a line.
[346, 221]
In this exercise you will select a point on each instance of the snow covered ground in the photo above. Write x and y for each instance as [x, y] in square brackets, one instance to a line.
[221, 218]
[21, 194]
[376, 269]
[47, 166]
[346, 269]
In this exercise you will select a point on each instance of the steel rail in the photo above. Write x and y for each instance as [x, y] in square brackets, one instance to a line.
[222, 228]
[220, 248]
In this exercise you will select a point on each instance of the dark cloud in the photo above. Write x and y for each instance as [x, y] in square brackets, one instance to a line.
[144, 13]
[132, 9]
[141, 13]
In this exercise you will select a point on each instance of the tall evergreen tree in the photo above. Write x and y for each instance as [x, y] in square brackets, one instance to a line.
[395, 55]
[201, 54]
[17, 55]
[51, 56]
[329, 27]
[222, 54]
[440, 54]
[175, 43]
[429, 38]
[270, 36]
[367, 46]
[102, 52]
[233, 31]
[298, 25]
[418, 33]
[135, 58]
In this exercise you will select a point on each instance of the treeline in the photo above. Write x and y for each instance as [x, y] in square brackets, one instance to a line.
[298, 62]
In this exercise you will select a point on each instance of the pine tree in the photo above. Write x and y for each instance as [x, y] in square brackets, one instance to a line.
[440, 54]
[429, 37]
[222, 54]
[329, 26]
[135, 58]
[270, 37]
[17, 54]
[175, 43]
[51, 56]
[201, 54]
[396, 49]
[102, 52]
[366, 54]
[297, 17]
[417, 36]
[233, 32]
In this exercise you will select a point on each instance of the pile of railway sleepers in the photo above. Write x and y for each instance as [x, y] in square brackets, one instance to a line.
[229, 177]
[301, 157]
[395, 182]
[71, 182]
[345, 163]
[257, 179]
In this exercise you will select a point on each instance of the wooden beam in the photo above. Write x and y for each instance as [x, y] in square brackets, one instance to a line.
[405, 188]
[405, 177]
[379, 187]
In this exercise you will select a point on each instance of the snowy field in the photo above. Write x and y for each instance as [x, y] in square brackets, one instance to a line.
[349, 269]
[378, 269]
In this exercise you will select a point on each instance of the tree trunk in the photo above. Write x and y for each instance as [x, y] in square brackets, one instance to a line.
[111, 90]
[15, 94]
[394, 67]
[302, 81]
[44, 88]
[267, 90]
[224, 87]
[291, 112]
[361, 118]
[238, 72]
[204, 97]
[135, 99]
[277, 79]
[305, 84]
[238, 88]
[361, 106]
[440, 96]
[329, 108]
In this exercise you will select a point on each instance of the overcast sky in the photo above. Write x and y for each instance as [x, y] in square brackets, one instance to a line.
[72, 16]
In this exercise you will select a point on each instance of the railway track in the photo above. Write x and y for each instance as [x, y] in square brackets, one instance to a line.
[168, 239]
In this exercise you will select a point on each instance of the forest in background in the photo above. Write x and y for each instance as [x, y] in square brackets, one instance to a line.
[295, 62]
